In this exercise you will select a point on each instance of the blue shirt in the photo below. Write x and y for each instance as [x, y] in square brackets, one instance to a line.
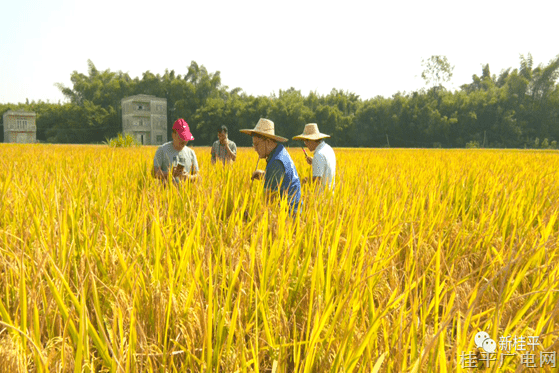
[281, 173]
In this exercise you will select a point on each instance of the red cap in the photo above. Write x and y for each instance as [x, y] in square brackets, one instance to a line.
[183, 130]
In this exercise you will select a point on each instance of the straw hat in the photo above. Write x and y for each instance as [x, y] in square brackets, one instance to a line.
[265, 127]
[311, 132]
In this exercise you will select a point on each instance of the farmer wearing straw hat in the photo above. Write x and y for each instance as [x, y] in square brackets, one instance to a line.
[324, 160]
[280, 170]
[175, 157]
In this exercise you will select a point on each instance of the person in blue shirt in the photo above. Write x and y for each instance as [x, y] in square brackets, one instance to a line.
[280, 173]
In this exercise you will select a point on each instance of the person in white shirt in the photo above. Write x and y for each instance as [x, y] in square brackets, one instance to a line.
[324, 160]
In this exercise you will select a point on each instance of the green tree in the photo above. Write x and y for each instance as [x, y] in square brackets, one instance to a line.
[289, 113]
[437, 70]
[510, 110]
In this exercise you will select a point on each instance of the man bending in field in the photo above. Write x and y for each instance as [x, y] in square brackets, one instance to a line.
[324, 161]
[175, 158]
[280, 170]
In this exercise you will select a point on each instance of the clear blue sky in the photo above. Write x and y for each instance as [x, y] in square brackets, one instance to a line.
[366, 47]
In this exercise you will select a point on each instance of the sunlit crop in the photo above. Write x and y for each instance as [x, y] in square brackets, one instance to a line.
[104, 269]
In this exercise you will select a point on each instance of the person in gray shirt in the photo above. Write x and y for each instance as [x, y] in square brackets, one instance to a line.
[223, 149]
[175, 157]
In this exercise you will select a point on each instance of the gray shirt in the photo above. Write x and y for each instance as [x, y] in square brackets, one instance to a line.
[219, 151]
[167, 157]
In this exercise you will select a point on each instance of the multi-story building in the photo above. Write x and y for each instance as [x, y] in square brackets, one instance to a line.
[20, 127]
[145, 118]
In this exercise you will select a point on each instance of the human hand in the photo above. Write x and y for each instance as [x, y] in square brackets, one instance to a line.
[309, 160]
[178, 170]
[258, 174]
[227, 142]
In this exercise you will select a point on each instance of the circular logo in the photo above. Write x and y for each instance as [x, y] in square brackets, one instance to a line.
[489, 345]
[479, 338]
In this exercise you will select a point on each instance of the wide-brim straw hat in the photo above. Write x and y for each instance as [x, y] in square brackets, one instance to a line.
[265, 127]
[311, 132]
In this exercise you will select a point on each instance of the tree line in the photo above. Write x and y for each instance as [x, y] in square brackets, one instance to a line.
[517, 108]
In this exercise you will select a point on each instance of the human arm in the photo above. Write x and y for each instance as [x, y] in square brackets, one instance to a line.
[258, 175]
[231, 150]
[159, 174]
[160, 166]
[213, 154]
[193, 175]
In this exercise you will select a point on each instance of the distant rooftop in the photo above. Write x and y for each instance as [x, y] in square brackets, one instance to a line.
[142, 97]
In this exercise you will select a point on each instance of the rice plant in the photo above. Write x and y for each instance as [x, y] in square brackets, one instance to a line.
[122, 141]
[104, 269]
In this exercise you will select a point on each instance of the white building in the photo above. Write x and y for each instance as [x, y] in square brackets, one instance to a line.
[145, 118]
[20, 127]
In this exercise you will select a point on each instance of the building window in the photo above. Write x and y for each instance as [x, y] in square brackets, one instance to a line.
[142, 107]
[21, 124]
[159, 139]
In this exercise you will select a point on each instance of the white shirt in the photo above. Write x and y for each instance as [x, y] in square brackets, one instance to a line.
[324, 164]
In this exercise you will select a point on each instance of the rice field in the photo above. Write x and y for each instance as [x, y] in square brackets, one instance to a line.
[105, 270]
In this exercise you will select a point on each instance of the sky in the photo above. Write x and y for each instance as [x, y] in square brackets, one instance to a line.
[369, 48]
